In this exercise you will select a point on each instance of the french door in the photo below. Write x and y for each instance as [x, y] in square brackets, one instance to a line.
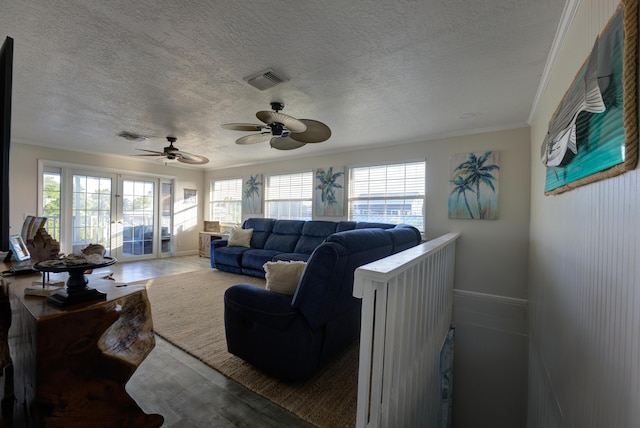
[120, 212]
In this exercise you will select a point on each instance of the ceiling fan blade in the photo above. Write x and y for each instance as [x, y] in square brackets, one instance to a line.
[292, 124]
[189, 158]
[285, 143]
[254, 138]
[316, 132]
[155, 153]
[243, 126]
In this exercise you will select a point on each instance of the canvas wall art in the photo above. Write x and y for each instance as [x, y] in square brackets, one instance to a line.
[593, 133]
[252, 195]
[474, 179]
[329, 192]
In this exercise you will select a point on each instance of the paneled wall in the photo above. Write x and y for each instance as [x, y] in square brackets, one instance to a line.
[584, 282]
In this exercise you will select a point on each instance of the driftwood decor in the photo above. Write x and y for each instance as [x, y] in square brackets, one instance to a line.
[43, 247]
[71, 366]
[594, 132]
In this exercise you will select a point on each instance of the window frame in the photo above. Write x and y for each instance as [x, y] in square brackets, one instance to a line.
[237, 203]
[305, 200]
[408, 218]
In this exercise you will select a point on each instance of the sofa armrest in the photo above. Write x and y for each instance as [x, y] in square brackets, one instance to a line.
[215, 243]
[259, 305]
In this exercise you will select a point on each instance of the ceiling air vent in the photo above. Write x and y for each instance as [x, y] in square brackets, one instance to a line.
[265, 79]
[132, 137]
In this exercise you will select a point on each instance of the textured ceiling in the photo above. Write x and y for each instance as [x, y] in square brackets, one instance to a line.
[376, 72]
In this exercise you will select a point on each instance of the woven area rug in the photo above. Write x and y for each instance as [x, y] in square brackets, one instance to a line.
[188, 311]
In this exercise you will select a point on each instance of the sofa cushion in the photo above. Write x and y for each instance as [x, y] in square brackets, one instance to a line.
[364, 241]
[229, 256]
[254, 259]
[313, 234]
[301, 257]
[404, 237]
[369, 225]
[240, 238]
[284, 236]
[346, 225]
[262, 228]
[283, 277]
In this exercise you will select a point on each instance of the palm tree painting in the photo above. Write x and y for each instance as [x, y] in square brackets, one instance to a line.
[474, 185]
[329, 190]
[252, 195]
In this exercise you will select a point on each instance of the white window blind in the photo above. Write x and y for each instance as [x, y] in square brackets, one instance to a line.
[226, 200]
[388, 193]
[289, 196]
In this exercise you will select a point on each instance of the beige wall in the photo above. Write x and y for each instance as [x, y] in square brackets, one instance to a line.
[24, 185]
[490, 314]
[492, 254]
[584, 285]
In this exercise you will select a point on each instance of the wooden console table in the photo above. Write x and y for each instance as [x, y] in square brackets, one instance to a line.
[70, 365]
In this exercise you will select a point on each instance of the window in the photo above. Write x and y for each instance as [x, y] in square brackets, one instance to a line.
[51, 205]
[388, 193]
[289, 196]
[226, 200]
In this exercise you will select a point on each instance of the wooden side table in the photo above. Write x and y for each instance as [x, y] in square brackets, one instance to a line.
[70, 365]
[205, 241]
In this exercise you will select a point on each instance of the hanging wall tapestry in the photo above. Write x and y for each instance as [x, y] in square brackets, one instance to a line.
[252, 195]
[329, 192]
[473, 179]
[594, 132]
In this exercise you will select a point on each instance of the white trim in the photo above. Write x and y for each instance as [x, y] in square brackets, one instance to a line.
[491, 297]
[569, 12]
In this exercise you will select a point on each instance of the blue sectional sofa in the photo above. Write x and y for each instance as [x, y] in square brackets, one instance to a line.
[274, 240]
[291, 337]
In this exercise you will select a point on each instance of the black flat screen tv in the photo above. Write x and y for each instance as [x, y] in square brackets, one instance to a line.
[6, 80]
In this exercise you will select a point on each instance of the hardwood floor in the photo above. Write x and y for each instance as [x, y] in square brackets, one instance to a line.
[188, 393]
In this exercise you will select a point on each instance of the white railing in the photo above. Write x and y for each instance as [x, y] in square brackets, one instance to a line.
[407, 307]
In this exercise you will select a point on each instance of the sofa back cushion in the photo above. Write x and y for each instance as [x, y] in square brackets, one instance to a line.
[369, 225]
[262, 228]
[284, 236]
[313, 234]
[404, 237]
[326, 286]
[346, 225]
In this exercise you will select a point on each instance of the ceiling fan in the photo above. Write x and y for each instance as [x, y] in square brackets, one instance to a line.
[282, 131]
[174, 154]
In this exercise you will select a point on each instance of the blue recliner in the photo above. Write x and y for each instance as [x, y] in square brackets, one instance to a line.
[291, 337]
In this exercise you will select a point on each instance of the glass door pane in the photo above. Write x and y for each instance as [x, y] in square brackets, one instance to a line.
[138, 217]
[166, 217]
[91, 208]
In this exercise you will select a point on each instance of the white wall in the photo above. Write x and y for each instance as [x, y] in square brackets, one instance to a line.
[584, 282]
[24, 185]
[491, 267]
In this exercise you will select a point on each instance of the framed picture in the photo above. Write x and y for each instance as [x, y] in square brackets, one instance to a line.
[329, 192]
[190, 196]
[593, 133]
[473, 182]
[19, 249]
[252, 195]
